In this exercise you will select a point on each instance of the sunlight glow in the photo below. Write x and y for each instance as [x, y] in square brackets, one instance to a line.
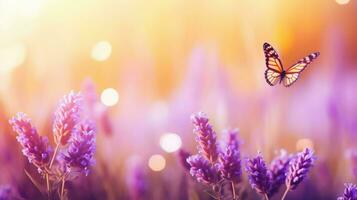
[157, 163]
[101, 51]
[342, 2]
[170, 142]
[304, 143]
[12, 56]
[109, 97]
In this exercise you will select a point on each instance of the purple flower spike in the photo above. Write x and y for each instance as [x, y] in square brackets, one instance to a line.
[230, 165]
[206, 136]
[183, 155]
[81, 149]
[277, 171]
[202, 170]
[35, 147]
[66, 117]
[258, 174]
[299, 167]
[350, 192]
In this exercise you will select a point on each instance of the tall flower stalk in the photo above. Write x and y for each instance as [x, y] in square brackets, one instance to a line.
[350, 192]
[74, 139]
[258, 175]
[212, 166]
[230, 165]
[298, 169]
[277, 171]
[205, 137]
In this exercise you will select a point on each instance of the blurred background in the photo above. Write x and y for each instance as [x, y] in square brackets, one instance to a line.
[148, 65]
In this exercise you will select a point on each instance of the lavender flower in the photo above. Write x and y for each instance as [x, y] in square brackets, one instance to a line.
[81, 149]
[35, 147]
[350, 192]
[136, 179]
[299, 167]
[206, 136]
[258, 174]
[183, 155]
[277, 171]
[230, 165]
[8, 192]
[202, 170]
[66, 117]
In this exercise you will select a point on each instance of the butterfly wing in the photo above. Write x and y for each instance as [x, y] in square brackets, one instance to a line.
[292, 74]
[273, 63]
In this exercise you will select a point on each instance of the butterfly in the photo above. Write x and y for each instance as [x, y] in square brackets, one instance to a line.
[275, 72]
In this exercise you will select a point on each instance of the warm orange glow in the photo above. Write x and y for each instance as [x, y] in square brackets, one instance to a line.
[157, 162]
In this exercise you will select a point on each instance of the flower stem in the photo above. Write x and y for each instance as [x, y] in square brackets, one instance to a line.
[233, 191]
[266, 196]
[48, 185]
[62, 188]
[54, 153]
[285, 193]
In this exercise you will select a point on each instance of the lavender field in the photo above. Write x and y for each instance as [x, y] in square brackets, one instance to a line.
[151, 100]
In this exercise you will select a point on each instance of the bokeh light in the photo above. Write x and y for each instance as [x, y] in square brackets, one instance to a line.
[101, 51]
[170, 142]
[12, 56]
[304, 143]
[157, 162]
[109, 97]
[342, 2]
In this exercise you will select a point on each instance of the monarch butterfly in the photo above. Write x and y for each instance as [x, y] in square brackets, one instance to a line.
[275, 72]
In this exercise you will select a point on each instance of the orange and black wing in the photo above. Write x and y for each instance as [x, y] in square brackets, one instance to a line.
[292, 74]
[273, 63]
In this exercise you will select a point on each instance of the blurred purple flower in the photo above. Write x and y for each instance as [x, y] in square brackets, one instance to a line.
[35, 147]
[299, 167]
[7, 192]
[183, 155]
[350, 192]
[67, 116]
[202, 170]
[137, 180]
[230, 165]
[277, 171]
[258, 174]
[81, 149]
[206, 136]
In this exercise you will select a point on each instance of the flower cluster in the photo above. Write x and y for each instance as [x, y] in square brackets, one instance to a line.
[350, 192]
[213, 166]
[277, 171]
[210, 166]
[67, 117]
[206, 136]
[258, 174]
[202, 170]
[299, 168]
[229, 161]
[75, 142]
[285, 168]
[35, 147]
[80, 152]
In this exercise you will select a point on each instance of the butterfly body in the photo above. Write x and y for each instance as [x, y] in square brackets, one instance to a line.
[275, 73]
[282, 75]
